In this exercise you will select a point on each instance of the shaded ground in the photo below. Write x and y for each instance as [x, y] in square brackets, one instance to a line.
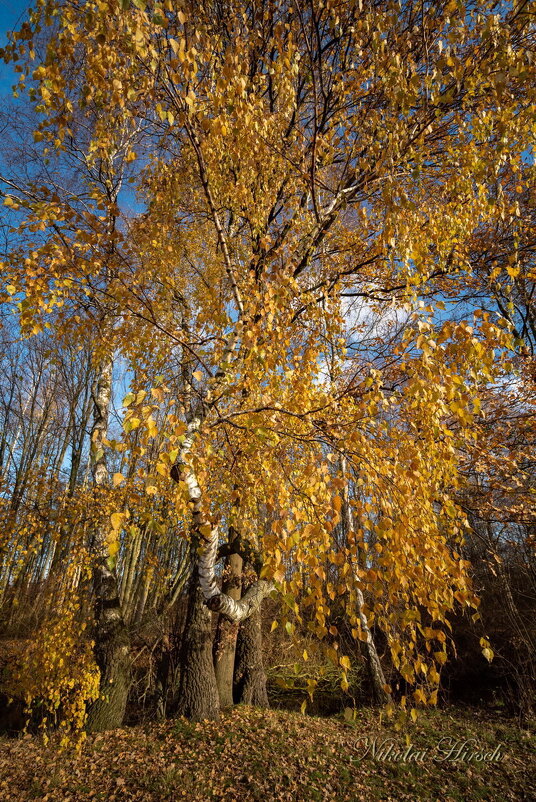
[258, 755]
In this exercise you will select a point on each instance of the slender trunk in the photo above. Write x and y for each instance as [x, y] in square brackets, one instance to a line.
[163, 672]
[182, 574]
[226, 633]
[198, 693]
[130, 567]
[143, 593]
[112, 647]
[5, 430]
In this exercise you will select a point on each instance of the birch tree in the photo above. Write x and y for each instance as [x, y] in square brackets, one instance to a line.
[300, 154]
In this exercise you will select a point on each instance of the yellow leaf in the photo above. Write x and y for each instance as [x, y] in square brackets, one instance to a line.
[117, 479]
[113, 547]
[419, 695]
[117, 519]
[130, 424]
[197, 374]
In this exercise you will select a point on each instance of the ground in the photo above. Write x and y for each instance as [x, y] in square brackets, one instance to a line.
[274, 755]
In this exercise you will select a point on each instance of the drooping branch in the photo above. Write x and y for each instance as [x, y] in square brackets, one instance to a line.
[215, 599]
[375, 667]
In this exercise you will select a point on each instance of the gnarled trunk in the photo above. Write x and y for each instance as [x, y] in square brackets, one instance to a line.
[112, 654]
[198, 693]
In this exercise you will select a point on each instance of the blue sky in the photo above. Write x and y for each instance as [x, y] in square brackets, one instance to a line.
[11, 11]
[12, 14]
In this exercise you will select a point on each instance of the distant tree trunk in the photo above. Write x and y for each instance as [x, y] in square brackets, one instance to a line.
[249, 682]
[112, 646]
[377, 677]
[78, 440]
[162, 675]
[129, 569]
[198, 693]
[226, 633]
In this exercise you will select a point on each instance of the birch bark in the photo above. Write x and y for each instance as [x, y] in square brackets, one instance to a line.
[112, 646]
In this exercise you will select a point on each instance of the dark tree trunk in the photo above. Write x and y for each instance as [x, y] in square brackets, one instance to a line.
[112, 655]
[249, 674]
[198, 693]
[226, 633]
